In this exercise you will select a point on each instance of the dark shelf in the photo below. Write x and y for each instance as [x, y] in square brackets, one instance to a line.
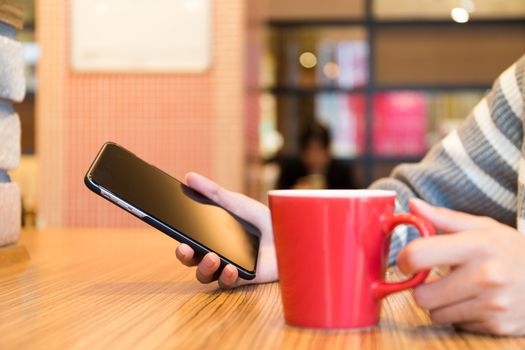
[339, 22]
[361, 159]
[295, 90]
[430, 87]
[450, 23]
[329, 22]
[396, 159]
[382, 159]
[29, 26]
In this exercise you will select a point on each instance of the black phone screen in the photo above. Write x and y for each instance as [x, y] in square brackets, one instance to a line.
[169, 201]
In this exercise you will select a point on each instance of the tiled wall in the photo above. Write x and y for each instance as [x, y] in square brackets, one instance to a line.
[179, 122]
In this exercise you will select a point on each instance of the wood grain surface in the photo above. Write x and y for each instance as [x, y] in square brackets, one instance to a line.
[13, 254]
[123, 289]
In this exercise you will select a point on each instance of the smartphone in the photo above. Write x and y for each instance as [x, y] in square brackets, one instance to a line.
[170, 206]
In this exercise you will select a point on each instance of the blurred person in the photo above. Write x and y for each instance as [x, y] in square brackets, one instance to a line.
[471, 186]
[315, 168]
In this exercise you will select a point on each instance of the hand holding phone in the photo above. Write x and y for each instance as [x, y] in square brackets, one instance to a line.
[250, 210]
[175, 209]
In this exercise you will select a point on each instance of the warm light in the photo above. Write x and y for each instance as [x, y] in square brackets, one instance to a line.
[307, 60]
[331, 70]
[459, 15]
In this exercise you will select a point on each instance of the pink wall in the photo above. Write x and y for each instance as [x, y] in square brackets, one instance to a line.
[163, 119]
[179, 122]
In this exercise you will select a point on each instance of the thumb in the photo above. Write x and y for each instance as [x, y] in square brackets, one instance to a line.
[239, 204]
[203, 185]
[448, 220]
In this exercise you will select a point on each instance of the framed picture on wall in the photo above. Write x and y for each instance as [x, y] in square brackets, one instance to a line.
[141, 35]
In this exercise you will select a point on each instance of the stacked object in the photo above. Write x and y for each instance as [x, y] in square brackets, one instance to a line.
[12, 89]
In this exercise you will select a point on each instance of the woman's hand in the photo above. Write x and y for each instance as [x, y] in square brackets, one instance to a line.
[248, 209]
[485, 290]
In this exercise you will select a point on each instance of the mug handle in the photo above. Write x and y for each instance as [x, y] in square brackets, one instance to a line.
[381, 288]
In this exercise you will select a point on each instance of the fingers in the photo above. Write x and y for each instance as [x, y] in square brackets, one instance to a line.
[464, 312]
[207, 268]
[454, 288]
[476, 315]
[447, 220]
[246, 208]
[186, 255]
[229, 277]
[445, 250]
[204, 185]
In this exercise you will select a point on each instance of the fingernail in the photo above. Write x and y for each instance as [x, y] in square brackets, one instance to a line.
[229, 272]
[209, 263]
[183, 250]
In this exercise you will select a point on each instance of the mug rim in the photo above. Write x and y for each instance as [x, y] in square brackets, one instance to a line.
[326, 193]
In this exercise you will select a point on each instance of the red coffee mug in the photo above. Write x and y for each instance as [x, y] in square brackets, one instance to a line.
[332, 250]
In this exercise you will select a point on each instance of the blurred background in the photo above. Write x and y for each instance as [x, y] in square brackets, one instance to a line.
[387, 78]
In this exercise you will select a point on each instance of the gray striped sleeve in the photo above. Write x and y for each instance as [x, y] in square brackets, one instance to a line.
[475, 168]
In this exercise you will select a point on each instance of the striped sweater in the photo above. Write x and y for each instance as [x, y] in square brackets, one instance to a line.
[478, 168]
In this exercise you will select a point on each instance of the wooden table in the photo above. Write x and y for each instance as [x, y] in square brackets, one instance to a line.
[123, 289]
